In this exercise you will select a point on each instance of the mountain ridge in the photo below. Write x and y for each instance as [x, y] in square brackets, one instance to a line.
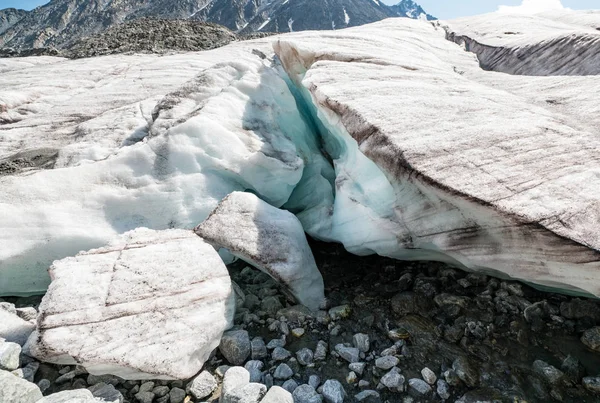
[61, 23]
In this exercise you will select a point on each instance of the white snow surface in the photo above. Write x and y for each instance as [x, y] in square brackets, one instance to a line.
[269, 238]
[388, 138]
[150, 305]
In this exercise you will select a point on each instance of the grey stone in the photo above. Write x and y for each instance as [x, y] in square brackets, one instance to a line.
[44, 384]
[109, 379]
[298, 332]
[591, 338]
[202, 386]
[418, 387]
[235, 346]
[70, 375]
[367, 395]
[280, 354]
[466, 371]
[333, 391]
[350, 354]
[16, 390]
[283, 371]
[161, 391]
[250, 393]
[290, 385]
[259, 349]
[106, 392]
[314, 381]
[358, 367]
[321, 351]
[362, 342]
[9, 356]
[573, 368]
[278, 395]
[305, 356]
[144, 397]
[393, 380]
[592, 383]
[340, 312]
[177, 395]
[428, 376]
[269, 381]
[306, 394]
[549, 373]
[443, 390]
[386, 362]
[273, 344]
[271, 305]
[28, 371]
[146, 386]
[351, 378]
[235, 377]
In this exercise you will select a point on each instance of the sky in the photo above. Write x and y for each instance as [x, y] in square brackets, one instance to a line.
[444, 9]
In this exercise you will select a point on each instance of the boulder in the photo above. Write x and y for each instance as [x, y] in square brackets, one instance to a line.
[16, 390]
[271, 239]
[13, 328]
[152, 304]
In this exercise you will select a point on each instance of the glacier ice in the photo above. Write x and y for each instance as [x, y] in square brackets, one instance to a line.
[150, 305]
[233, 127]
[387, 138]
[271, 239]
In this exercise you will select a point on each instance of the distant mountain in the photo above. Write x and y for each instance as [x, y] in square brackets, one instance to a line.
[10, 17]
[61, 23]
[410, 9]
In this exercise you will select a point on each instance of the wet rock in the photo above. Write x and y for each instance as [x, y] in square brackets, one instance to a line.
[321, 351]
[254, 367]
[280, 354]
[283, 371]
[258, 348]
[44, 384]
[573, 369]
[350, 354]
[306, 394]
[106, 392]
[483, 395]
[340, 312]
[108, 379]
[428, 375]
[351, 378]
[161, 391]
[393, 380]
[452, 305]
[235, 346]
[145, 397]
[277, 395]
[549, 373]
[367, 396]
[298, 332]
[466, 371]
[579, 309]
[16, 390]
[202, 386]
[305, 356]
[362, 342]
[333, 391]
[9, 356]
[358, 367]
[404, 303]
[273, 344]
[592, 383]
[271, 305]
[591, 338]
[443, 389]
[419, 388]
[386, 362]
[290, 385]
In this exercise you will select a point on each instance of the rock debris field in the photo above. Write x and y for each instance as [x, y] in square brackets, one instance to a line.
[404, 332]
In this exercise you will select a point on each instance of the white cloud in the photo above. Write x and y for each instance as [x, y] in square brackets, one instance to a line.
[532, 7]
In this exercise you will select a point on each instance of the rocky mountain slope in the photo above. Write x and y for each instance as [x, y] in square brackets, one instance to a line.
[9, 17]
[150, 35]
[61, 23]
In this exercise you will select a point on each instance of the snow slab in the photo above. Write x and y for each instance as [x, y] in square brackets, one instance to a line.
[271, 239]
[150, 305]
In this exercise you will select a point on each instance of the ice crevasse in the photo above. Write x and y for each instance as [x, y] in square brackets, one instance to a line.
[350, 132]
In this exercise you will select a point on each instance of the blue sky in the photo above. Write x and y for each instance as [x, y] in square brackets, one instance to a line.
[439, 8]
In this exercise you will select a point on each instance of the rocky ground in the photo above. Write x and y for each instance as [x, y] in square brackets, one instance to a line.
[145, 35]
[393, 332]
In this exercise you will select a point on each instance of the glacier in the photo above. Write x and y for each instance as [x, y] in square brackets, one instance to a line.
[388, 138]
